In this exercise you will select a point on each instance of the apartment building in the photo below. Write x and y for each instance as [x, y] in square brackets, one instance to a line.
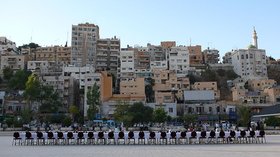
[168, 44]
[7, 45]
[168, 87]
[13, 61]
[227, 59]
[250, 63]
[207, 86]
[127, 60]
[132, 86]
[273, 94]
[179, 60]
[261, 85]
[211, 56]
[54, 53]
[195, 55]
[107, 55]
[84, 41]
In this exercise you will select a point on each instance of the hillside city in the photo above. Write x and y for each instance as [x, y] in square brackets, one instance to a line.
[96, 79]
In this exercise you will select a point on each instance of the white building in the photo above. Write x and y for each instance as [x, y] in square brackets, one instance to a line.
[79, 73]
[43, 66]
[169, 108]
[84, 38]
[127, 67]
[158, 64]
[250, 63]
[179, 60]
[6, 45]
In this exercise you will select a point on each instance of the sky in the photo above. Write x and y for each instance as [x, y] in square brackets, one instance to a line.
[220, 24]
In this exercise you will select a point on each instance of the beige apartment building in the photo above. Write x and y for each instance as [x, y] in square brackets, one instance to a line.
[14, 62]
[260, 85]
[132, 86]
[142, 59]
[195, 55]
[168, 44]
[107, 55]
[207, 86]
[84, 38]
[168, 86]
[273, 94]
[53, 53]
[238, 93]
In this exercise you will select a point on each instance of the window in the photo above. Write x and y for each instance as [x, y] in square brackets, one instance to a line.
[170, 110]
[210, 109]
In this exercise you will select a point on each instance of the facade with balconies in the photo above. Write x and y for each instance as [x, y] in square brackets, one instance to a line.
[107, 55]
[14, 62]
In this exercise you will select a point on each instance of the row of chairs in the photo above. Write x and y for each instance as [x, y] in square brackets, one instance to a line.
[120, 139]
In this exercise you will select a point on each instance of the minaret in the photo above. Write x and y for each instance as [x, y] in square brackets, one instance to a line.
[255, 38]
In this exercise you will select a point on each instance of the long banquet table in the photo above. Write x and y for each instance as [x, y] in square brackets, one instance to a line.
[22, 135]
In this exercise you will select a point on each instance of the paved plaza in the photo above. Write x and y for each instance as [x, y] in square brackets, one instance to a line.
[271, 149]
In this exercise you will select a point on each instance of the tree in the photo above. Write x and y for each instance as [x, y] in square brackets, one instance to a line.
[8, 73]
[159, 115]
[149, 92]
[272, 121]
[50, 100]
[32, 89]
[26, 115]
[140, 113]
[244, 115]
[93, 101]
[121, 111]
[18, 80]
[30, 45]
[74, 111]
[190, 118]
[209, 75]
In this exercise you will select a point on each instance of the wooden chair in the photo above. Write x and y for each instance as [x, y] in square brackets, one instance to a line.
[261, 137]
[212, 137]
[111, 138]
[90, 138]
[130, 137]
[60, 138]
[221, 138]
[163, 138]
[232, 137]
[40, 138]
[141, 137]
[50, 139]
[121, 139]
[81, 138]
[242, 138]
[183, 138]
[70, 138]
[17, 139]
[202, 139]
[29, 140]
[193, 138]
[152, 138]
[173, 138]
[101, 138]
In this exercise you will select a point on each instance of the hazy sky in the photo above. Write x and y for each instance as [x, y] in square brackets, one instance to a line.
[220, 24]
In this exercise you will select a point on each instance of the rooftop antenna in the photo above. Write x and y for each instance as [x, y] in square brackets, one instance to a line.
[31, 36]
[66, 40]
[190, 41]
